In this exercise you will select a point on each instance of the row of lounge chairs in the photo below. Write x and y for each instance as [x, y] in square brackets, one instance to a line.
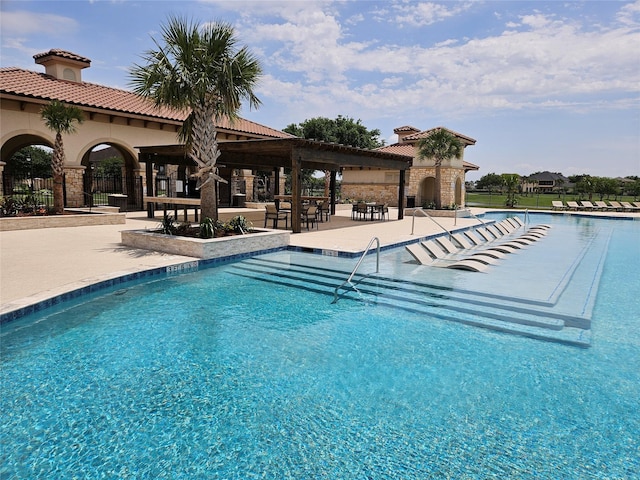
[476, 249]
[599, 205]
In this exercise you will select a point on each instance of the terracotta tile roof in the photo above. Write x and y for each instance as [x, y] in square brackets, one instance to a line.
[409, 150]
[405, 128]
[55, 52]
[39, 86]
[399, 148]
[425, 133]
[469, 166]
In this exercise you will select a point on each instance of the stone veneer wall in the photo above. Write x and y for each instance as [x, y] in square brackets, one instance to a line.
[371, 192]
[448, 179]
[74, 186]
[56, 221]
[210, 248]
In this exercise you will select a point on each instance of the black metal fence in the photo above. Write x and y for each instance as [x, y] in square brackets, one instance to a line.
[101, 189]
[23, 186]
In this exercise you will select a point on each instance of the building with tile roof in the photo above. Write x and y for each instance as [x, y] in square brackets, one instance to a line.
[114, 117]
[545, 182]
[381, 185]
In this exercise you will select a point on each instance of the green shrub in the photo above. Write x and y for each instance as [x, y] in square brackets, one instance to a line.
[240, 224]
[168, 226]
[209, 227]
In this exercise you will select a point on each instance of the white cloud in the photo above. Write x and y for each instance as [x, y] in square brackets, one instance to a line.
[629, 14]
[22, 23]
[427, 13]
[540, 62]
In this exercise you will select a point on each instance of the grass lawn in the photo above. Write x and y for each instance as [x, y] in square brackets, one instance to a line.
[496, 200]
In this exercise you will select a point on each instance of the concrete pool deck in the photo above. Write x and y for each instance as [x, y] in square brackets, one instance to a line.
[39, 264]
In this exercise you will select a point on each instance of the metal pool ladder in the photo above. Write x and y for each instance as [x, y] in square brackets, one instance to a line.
[355, 269]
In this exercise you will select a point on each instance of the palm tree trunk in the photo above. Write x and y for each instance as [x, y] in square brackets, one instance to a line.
[209, 201]
[205, 152]
[57, 165]
[438, 189]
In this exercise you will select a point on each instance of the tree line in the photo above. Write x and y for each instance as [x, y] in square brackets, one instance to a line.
[583, 185]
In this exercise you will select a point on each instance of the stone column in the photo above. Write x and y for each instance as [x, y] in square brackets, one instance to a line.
[73, 178]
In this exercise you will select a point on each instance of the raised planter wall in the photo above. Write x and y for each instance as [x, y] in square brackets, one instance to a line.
[206, 248]
[54, 221]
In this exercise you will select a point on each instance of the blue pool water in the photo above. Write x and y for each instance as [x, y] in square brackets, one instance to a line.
[263, 377]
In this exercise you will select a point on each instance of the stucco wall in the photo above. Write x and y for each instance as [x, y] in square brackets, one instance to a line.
[96, 129]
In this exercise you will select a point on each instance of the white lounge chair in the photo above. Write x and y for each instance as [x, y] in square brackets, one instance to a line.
[574, 206]
[419, 253]
[518, 221]
[616, 206]
[602, 205]
[557, 205]
[476, 261]
[587, 205]
[627, 206]
[470, 264]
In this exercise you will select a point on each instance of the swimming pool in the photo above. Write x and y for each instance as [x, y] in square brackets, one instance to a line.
[265, 378]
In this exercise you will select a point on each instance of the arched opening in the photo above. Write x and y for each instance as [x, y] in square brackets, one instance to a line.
[26, 176]
[458, 192]
[110, 178]
[427, 191]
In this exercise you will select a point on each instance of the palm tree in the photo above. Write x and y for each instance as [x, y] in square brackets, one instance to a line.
[199, 68]
[59, 118]
[440, 145]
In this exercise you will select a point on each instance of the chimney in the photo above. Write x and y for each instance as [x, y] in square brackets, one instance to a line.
[63, 65]
[405, 131]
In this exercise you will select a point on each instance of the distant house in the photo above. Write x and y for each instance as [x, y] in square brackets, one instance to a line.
[545, 182]
[382, 185]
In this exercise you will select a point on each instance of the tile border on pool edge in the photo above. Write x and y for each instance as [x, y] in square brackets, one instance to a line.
[22, 309]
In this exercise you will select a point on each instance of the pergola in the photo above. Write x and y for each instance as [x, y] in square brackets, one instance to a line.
[293, 153]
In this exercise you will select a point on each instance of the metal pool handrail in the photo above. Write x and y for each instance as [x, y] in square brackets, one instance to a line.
[477, 218]
[355, 269]
[420, 209]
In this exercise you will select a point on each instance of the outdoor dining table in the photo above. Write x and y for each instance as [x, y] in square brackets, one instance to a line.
[371, 209]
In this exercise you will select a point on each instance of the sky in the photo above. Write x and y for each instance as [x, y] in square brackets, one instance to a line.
[541, 85]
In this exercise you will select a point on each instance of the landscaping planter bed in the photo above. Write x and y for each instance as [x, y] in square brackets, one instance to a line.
[206, 248]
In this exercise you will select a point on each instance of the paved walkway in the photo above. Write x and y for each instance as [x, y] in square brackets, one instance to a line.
[38, 264]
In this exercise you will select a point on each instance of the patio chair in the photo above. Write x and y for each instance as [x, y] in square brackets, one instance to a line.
[616, 206]
[324, 212]
[285, 207]
[574, 206]
[272, 213]
[557, 205]
[310, 216]
[361, 210]
[587, 205]
[384, 211]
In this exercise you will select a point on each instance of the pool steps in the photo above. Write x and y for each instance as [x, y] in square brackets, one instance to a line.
[505, 314]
